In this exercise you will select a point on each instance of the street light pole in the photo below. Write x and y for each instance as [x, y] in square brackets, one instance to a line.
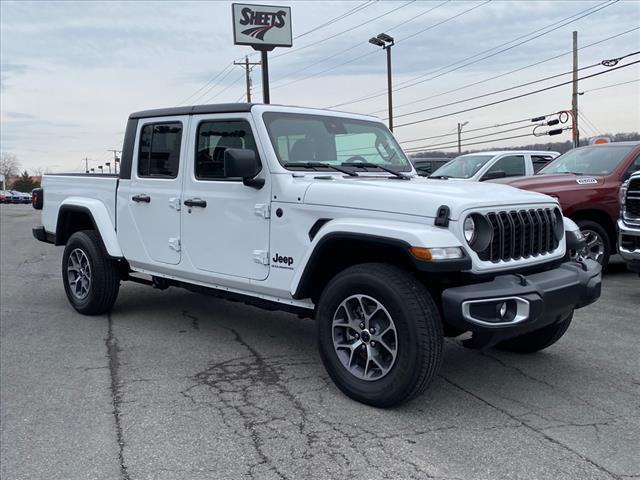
[460, 125]
[386, 42]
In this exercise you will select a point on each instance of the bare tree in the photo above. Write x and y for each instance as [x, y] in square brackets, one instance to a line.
[9, 165]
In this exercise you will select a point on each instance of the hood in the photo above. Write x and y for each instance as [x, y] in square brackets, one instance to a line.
[418, 196]
[551, 184]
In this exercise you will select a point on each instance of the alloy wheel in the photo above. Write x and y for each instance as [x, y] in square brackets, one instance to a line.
[365, 339]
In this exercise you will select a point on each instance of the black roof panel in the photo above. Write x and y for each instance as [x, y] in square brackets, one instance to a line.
[193, 110]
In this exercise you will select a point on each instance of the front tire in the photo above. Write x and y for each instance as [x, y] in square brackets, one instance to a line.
[538, 339]
[598, 241]
[91, 278]
[379, 333]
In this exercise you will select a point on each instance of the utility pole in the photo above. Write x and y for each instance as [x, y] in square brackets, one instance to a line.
[86, 165]
[460, 125]
[248, 66]
[574, 96]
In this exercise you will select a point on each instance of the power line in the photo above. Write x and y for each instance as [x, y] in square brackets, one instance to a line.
[342, 16]
[373, 52]
[218, 82]
[414, 102]
[359, 44]
[348, 30]
[422, 147]
[233, 83]
[414, 81]
[493, 140]
[610, 86]
[516, 96]
[496, 92]
[212, 79]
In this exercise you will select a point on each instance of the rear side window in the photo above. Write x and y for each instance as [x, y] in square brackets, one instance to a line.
[159, 151]
[540, 161]
[512, 166]
[214, 137]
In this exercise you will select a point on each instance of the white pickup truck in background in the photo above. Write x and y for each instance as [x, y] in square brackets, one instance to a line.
[482, 166]
[320, 213]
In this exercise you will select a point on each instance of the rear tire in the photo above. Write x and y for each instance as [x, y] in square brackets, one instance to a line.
[91, 278]
[598, 241]
[397, 353]
[538, 339]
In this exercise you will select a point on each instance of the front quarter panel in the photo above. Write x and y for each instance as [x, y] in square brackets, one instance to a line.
[413, 234]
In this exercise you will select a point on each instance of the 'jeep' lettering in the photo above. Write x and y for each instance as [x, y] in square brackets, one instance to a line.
[261, 22]
[284, 260]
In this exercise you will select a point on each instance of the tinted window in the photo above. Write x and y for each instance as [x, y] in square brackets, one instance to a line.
[540, 161]
[159, 150]
[512, 166]
[214, 137]
[596, 160]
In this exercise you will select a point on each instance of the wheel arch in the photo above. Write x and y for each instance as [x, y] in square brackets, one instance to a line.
[338, 250]
[74, 217]
[600, 217]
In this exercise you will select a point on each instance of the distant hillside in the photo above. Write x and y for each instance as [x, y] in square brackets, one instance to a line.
[555, 146]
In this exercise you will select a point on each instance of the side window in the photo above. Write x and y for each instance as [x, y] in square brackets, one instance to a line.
[540, 161]
[512, 166]
[159, 150]
[214, 137]
[634, 167]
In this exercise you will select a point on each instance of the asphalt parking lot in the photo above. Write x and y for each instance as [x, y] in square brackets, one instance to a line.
[173, 385]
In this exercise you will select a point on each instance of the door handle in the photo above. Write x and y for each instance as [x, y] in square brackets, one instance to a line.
[141, 198]
[195, 202]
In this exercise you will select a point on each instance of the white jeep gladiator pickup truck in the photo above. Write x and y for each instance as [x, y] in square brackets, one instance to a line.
[320, 213]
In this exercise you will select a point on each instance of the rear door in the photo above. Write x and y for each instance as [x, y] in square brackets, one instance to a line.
[226, 228]
[153, 201]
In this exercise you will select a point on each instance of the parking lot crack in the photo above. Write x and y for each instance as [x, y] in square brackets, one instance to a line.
[531, 427]
[116, 395]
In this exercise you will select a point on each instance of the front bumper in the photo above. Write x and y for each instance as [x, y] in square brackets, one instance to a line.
[512, 305]
[629, 245]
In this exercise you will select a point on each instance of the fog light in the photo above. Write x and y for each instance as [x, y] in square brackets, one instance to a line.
[502, 310]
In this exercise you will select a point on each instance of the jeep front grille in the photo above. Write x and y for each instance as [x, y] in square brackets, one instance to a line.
[632, 201]
[520, 234]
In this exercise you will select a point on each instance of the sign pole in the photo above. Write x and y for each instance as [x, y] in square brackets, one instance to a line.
[265, 76]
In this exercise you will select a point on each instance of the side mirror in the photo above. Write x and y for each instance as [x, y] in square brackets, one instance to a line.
[243, 163]
[494, 174]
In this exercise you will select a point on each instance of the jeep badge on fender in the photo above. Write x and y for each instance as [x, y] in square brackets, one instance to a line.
[284, 260]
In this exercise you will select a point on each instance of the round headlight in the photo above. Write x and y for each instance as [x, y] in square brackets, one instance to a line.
[469, 228]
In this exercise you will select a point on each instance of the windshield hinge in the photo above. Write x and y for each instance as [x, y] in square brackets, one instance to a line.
[261, 257]
[174, 244]
[262, 210]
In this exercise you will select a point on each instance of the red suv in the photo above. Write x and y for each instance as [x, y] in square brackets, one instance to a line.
[586, 181]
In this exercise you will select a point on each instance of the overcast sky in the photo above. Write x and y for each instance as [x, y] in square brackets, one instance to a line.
[72, 72]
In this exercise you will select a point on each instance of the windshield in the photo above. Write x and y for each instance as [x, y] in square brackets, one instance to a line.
[588, 161]
[303, 138]
[465, 166]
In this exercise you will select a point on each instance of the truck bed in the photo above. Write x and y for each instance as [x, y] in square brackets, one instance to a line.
[59, 187]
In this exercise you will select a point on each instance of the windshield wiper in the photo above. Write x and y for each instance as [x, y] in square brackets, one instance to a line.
[375, 165]
[316, 165]
[441, 177]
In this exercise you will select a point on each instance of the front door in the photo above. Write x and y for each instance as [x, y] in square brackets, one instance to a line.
[154, 196]
[225, 224]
